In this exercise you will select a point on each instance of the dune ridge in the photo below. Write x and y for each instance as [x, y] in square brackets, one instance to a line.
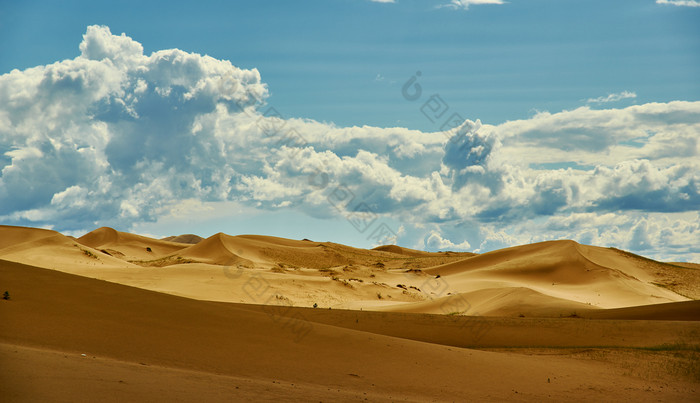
[129, 246]
[547, 279]
[591, 275]
[184, 238]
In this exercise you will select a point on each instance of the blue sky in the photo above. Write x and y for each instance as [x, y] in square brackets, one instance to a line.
[321, 59]
[579, 113]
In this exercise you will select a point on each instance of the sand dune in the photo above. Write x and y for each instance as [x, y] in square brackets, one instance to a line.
[231, 317]
[561, 269]
[413, 252]
[268, 251]
[184, 238]
[204, 350]
[128, 246]
[500, 301]
[686, 310]
[50, 249]
[549, 279]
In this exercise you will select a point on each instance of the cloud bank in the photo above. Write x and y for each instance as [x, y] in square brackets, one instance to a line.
[115, 137]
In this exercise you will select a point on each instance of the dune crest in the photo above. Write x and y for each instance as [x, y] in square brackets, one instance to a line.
[184, 238]
[129, 246]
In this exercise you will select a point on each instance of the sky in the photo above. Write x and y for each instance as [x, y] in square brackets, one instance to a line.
[438, 125]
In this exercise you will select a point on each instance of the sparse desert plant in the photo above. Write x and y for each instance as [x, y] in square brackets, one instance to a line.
[6, 295]
[340, 280]
[328, 271]
[89, 254]
[148, 249]
[315, 305]
[379, 295]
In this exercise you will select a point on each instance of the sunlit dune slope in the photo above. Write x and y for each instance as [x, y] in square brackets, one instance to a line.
[267, 251]
[413, 252]
[600, 277]
[184, 238]
[548, 279]
[501, 301]
[50, 249]
[128, 246]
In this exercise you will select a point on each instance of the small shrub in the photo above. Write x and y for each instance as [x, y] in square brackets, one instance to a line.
[148, 249]
[89, 254]
[315, 305]
[6, 295]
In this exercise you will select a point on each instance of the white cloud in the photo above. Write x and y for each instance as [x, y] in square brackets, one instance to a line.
[383, 1]
[436, 241]
[464, 4]
[116, 137]
[612, 97]
[685, 3]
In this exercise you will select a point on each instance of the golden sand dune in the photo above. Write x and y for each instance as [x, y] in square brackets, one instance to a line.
[565, 270]
[268, 251]
[50, 249]
[548, 279]
[68, 338]
[567, 320]
[500, 301]
[128, 246]
[250, 251]
[418, 253]
[184, 238]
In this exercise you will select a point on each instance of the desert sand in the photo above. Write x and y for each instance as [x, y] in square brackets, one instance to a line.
[121, 317]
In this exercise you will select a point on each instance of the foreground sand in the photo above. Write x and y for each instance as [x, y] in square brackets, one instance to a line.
[142, 344]
[246, 330]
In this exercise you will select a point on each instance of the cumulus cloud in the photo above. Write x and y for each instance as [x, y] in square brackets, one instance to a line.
[683, 3]
[612, 97]
[436, 241]
[116, 137]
